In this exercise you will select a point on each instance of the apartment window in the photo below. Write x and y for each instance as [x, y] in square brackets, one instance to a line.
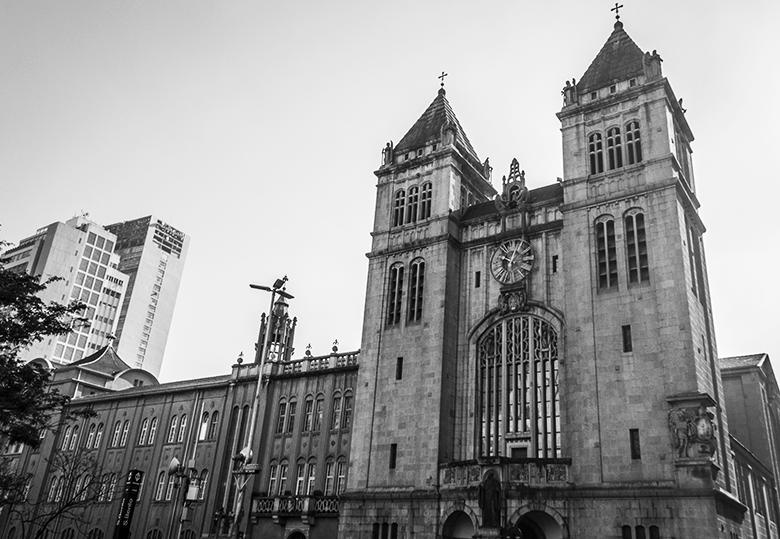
[272, 479]
[416, 287]
[412, 200]
[606, 253]
[399, 368]
[614, 148]
[393, 455]
[308, 414]
[628, 346]
[596, 153]
[341, 478]
[311, 475]
[636, 246]
[633, 435]
[329, 477]
[426, 197]
[214, 426]
[633, 143]
[336, 419]
[283, 478]
[318, 413]
[282, 417]
[346, 421]
[398, 208]
[300, 478]
[613, 89]
[395, 294]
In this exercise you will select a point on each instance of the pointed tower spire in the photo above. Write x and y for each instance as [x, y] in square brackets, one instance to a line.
[619, 59]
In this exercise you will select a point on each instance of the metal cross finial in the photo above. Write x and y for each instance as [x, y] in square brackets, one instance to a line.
[443, 74]
[616, 9]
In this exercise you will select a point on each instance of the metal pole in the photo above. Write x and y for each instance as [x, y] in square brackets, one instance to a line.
[255, 405]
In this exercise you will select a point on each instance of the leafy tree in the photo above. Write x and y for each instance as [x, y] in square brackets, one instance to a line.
[26, 404]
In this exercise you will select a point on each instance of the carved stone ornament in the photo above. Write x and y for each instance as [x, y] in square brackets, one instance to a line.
[513, 301]
[514, 190]
[692, 432]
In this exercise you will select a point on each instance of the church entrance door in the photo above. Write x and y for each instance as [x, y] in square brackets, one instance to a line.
[458, 526]
[539, 525]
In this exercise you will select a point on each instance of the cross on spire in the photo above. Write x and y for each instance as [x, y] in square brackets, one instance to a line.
[443, 74]
[616, 9]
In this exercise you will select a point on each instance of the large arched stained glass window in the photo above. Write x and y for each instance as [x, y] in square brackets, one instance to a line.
[519, 407]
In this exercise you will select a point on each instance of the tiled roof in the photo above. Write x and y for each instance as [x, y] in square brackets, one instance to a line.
[104, 360]
[428, 127]
[619, 59]
[737, 362]
[540, 194]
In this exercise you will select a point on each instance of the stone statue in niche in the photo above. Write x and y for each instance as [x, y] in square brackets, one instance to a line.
[652, 65]
[569, 93]
[490, 501]
[387, 154]
[692, 432]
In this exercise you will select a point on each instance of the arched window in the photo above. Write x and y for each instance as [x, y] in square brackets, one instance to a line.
[158, 492]
[346, 419]
[426, 196]
[86, 487]
[154, 534]
[204, 426]
[214, 428]
[308, 414]
[182, 427]
[395, 294]
[636, 247]
[103, 488]
[517, 360]
[66, 439]
[169, 490]
[91, 435]
[300, 478]
[53, 484]
[282, 417]
[319, 408]
[283, 477]
[655, 532]
[633, 143]
[95, 533]
[625, 532]
[614, 148]
[596, 153]
[172, 429]
[412, 200]
[152, 430]
[416, 287]
[398, 208]
[125, 430]
[311, 476]
[329, 477]
[291, 415]
[188, 534]
[639, 532]
[606, 252]
[117, 432]
[341, 475]
[144, 431]
[98, 436]
[273, 477]
[74, 439]
[204, 479]
[11, 533]
[336, 419]
[68, 533]
[111, 488]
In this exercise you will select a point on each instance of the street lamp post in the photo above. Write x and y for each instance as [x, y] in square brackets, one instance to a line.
[244, 469]
[177, 470]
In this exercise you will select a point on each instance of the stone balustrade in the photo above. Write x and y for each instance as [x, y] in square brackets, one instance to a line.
[536, 472]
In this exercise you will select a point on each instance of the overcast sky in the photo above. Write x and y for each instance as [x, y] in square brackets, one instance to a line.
[255, 127]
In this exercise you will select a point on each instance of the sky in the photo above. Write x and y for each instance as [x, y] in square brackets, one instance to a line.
[255, 127]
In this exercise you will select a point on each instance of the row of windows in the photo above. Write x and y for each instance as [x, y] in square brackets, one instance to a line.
[166, 484]
[640, 532]
[384, 530]
[313, 411]
[636, 249]
[412, 205]
[82, 488]
[396, 291]
[618, 149]
[306, 477]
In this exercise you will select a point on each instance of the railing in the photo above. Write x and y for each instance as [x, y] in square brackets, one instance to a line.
[284, 506]
[320, 363]
[536, 472]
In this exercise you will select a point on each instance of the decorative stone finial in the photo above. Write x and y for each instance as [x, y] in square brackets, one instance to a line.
[240, 359]
[335, 345]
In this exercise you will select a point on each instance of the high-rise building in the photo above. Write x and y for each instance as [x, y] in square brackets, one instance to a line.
[152, 255]
[82, 255]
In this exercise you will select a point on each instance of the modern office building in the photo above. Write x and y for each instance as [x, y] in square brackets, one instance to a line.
[82, 255]
[152, 255]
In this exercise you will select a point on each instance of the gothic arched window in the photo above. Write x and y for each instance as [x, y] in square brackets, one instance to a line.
[614, 148]
[412, 200]
[395, 292]
[172, 429]
[182, 427]
[398, 208]
[636, 247]
[204, 426]
[117, 432]
[91, 435]
[606, 252]
[152, 430]
[596, 153]
[633, 143]
[214, 426]
[519, 407]
[144, 431]
[416, 287]
[98, 436]
[426, 196]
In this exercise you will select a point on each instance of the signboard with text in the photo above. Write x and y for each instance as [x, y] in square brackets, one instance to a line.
[126, 508]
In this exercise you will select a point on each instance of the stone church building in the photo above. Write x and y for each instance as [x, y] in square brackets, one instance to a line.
[535, 363]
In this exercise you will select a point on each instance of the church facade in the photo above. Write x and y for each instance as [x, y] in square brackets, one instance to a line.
[542, 363]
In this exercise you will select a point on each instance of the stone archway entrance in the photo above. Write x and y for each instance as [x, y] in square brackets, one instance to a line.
[296, 535]
[458, 526]
[539, 525]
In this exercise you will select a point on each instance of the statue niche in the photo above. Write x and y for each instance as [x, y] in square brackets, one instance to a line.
[692, 432]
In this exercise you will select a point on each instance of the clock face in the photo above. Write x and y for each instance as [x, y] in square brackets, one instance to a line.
[512, 261]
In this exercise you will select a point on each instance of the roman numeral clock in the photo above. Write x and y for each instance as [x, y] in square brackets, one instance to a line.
[511, 263]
